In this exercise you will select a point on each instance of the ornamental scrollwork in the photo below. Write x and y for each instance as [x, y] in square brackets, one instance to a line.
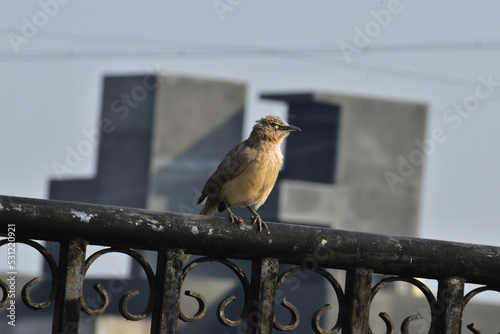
[474, 329]
[315, 321]
[202, 306]
[125, 299]
[405, 326]
[25, 293]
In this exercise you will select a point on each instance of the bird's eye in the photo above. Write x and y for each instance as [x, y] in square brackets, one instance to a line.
[276, 126]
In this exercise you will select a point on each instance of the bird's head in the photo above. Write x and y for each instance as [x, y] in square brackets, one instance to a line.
[273, 129]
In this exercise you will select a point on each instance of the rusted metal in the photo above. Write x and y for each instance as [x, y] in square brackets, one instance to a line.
[216, 237]
[405, 326]
[25, 294]
[471, 295]
[67, 307]
[5, 293]
[202, 307]
[476, 291]
[315, 321]
[294, 321]
[358, 297]
[169, 281]
[263, 294]
[75, 225]
[103, 301]
[222, 305]
[341, 302]
[451, 304]
[429, 296]
[474, 329]
[389, 324]
[124, 300]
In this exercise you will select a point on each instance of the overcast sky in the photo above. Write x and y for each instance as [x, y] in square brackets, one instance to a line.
[54, 54]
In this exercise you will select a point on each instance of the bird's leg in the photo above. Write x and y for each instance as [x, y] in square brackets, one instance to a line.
[256, 219]
[233, 217]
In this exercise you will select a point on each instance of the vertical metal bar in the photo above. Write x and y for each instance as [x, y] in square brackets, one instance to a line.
[450, 302]
[168, 287]
[358, 291]
[67, 304]
[262, 296]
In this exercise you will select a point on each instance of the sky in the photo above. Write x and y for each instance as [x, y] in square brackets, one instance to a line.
[55, 53]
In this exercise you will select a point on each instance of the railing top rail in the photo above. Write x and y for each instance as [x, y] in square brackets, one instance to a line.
[213, 236]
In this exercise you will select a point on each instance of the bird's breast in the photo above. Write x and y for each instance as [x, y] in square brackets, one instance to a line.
[255, 183]
[271, 158]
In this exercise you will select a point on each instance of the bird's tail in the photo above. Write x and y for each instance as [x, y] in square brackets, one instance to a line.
[209, 208]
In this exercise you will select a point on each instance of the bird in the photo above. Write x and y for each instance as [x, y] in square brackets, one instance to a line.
[247, 174]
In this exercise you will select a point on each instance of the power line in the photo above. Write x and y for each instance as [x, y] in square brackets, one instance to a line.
[329, 49]
[319, 55]
[338, 63]
[119, 40]
[393, 72]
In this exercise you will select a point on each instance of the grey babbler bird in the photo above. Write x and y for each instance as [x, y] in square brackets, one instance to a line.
[247, 174]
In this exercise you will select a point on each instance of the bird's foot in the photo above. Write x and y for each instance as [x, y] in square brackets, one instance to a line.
[259, 221]
[235, 219]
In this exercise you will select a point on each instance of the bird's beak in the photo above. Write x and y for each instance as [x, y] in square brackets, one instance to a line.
[292, 128]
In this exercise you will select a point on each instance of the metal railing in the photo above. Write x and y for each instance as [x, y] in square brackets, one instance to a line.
[171, 235]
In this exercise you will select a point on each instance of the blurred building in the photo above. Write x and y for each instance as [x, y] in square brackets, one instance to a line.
[343, 171]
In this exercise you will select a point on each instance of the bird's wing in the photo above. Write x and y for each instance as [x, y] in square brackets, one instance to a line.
[231, 166]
